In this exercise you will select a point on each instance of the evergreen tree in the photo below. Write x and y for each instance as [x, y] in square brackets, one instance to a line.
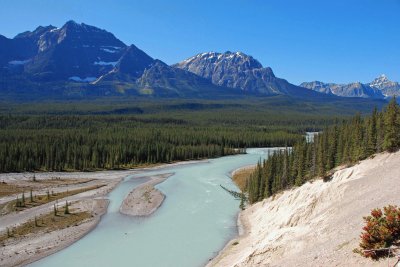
[372, 133]
[66, 211]
[23, 200]
[242, 200]
[392, 127]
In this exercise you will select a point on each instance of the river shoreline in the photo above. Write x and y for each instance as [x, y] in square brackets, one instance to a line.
[242, 224]
[34, 248]
[22, 251]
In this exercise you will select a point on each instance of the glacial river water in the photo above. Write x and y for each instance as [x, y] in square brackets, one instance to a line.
[195, 221]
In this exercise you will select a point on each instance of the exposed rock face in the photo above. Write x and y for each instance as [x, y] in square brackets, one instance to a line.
[237, 70]
[222, 69]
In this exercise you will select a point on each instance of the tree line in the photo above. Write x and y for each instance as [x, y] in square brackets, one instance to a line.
[345, 142]
[67, 143]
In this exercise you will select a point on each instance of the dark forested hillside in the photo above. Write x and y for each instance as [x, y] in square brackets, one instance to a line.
[345, 142]
[122, 134]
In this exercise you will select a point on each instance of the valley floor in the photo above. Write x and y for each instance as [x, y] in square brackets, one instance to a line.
[317, 224]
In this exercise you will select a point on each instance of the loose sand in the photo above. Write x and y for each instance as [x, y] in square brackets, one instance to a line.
[317, 224]
[144, 199]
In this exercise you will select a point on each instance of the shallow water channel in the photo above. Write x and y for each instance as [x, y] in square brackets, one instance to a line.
[195, 221]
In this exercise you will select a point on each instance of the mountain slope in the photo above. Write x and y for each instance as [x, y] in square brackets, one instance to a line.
[163, 79]
[241, 71]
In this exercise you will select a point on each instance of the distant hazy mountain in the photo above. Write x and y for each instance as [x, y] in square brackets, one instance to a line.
[345, 90]
[379, 88]
[238, 70]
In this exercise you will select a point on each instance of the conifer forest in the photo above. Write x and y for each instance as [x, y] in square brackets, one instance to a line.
[344, 142]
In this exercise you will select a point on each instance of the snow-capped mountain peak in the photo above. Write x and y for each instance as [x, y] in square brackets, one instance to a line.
[381, 82]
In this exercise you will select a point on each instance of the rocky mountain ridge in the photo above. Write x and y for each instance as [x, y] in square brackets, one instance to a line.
[79, 60]
[238, 70]
[379, 88]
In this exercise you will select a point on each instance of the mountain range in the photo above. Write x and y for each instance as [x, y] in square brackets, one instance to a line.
[79, 60]
[379, 88]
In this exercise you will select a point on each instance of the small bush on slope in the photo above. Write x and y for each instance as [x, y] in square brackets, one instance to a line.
[381, 230]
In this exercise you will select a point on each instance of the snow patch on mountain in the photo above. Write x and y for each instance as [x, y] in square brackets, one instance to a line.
[104, 63]
[84, 80]
[19, 62]
[381, 82]
[108, 50]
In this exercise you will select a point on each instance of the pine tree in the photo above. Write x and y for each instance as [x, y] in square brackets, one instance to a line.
[372, 133]
[300, 165]
[380, 125]
[242, 200]
[285, 171]
[66, 211]
[392, 127]
[23, 200]
[321, 157]
[31, 196]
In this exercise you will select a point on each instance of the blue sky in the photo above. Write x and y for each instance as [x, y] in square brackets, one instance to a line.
[302, 40]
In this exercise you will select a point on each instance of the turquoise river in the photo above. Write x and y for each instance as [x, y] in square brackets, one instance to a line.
[195, 221]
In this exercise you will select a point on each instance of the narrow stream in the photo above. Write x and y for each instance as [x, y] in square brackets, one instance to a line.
[195, 221]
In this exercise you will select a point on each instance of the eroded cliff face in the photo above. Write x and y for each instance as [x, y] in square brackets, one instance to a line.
[317, 224]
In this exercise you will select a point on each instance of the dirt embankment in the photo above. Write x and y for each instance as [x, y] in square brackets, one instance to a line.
[317, 224]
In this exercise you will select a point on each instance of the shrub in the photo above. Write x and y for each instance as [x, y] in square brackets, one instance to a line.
[381, 230]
